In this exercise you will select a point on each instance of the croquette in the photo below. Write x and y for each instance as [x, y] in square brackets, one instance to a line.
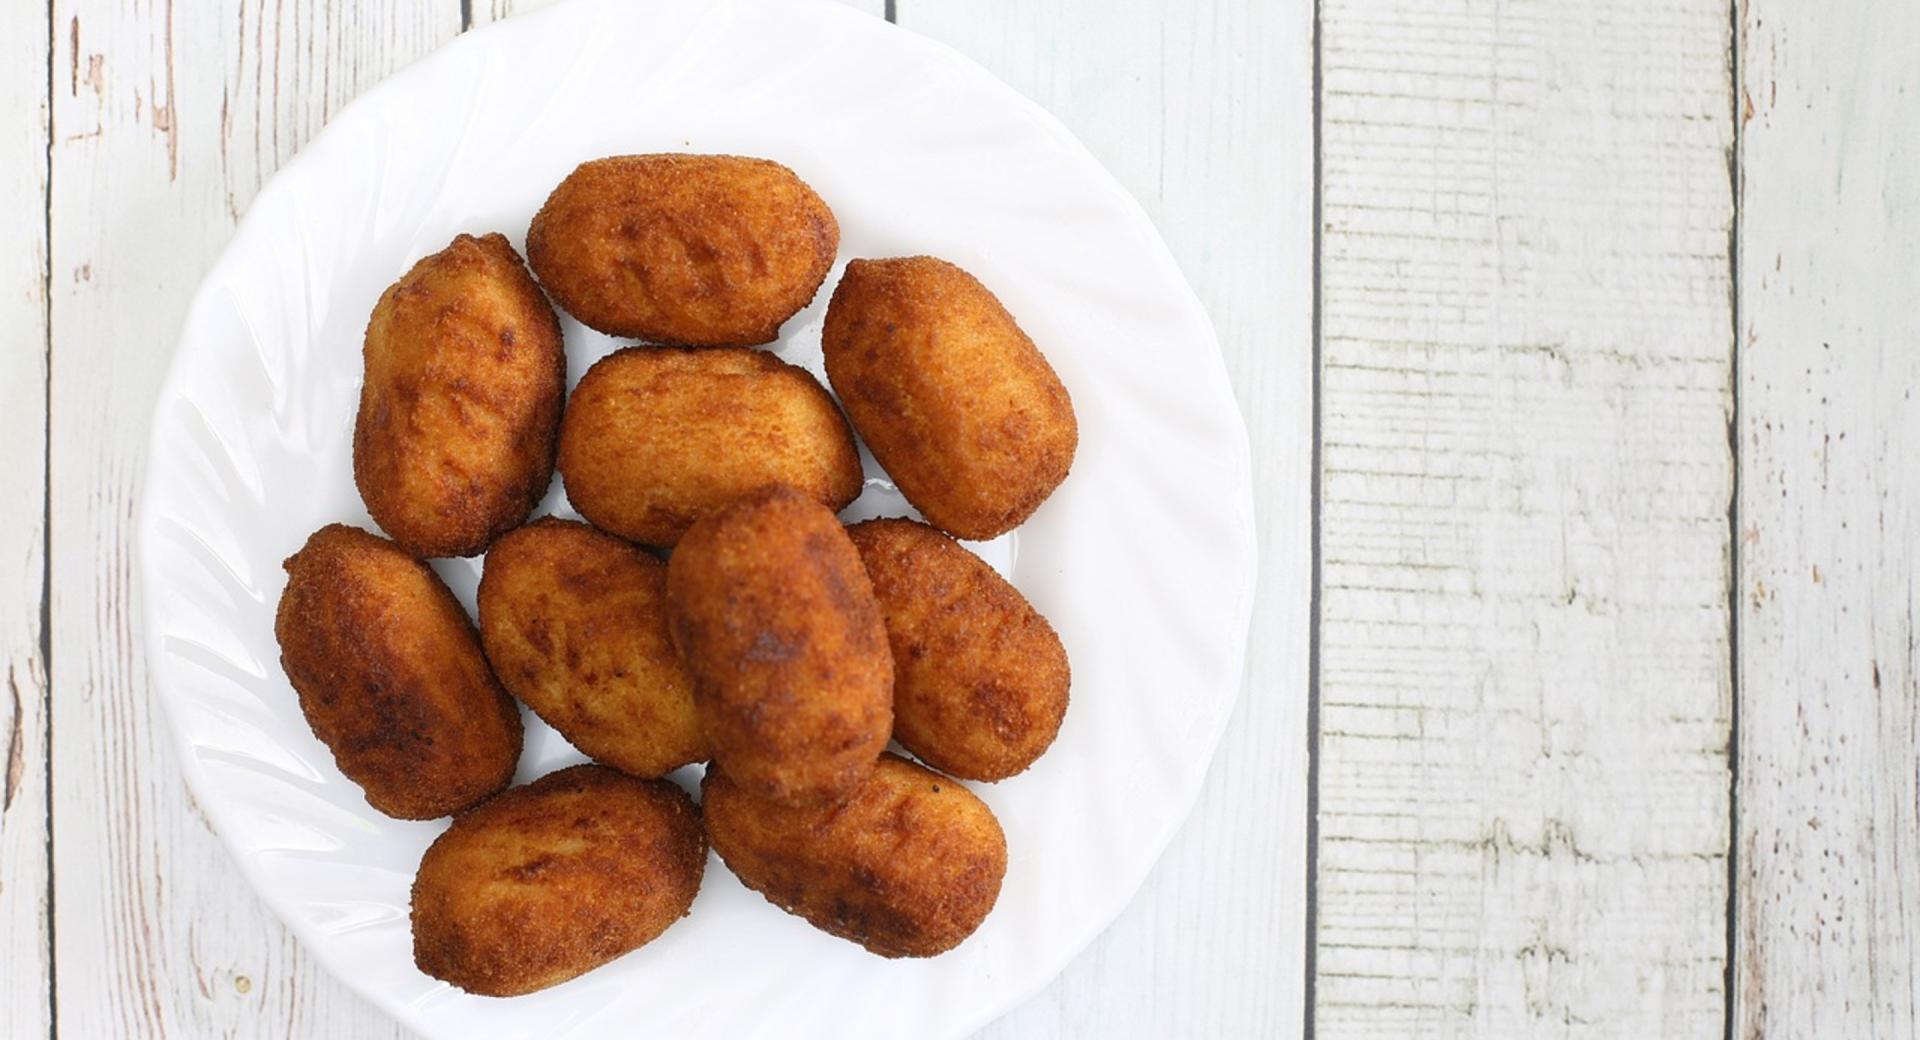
[690, 250]
[656, 438]
[548, 881]
[465, 373]
[908, 866]
[956, 403]
[391, 677]
[574, 622]
[793, 681]
[979, 677]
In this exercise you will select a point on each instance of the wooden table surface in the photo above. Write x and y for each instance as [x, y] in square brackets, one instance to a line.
[1578, 345]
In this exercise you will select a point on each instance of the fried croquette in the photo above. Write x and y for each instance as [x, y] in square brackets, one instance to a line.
[391, 677]
[690, 250]
[575, 624]
[549, 881]
[656, 438]
[979, 677]
[955, 401]
[792, 678]
[465, 374]
[908, 866]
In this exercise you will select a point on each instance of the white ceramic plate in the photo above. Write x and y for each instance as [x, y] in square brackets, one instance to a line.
[1143, 560]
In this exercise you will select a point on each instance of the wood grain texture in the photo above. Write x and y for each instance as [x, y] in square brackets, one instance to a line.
[1203, 111]
[1828, 890]
[26, 1008]
[1525, 688]
[483, 12]
[166, 119]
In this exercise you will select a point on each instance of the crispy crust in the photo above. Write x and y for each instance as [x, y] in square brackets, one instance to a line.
[908, 866]
[980, 679]
[391, 678]
[575, 624]
[690, 250]
[551, 880]
[793, 681]
[954, 400]
[656, 438]
[465, 375]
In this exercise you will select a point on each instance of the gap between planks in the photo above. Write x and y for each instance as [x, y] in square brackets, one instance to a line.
[1316, 498]
[1735, 158]
[26, 998]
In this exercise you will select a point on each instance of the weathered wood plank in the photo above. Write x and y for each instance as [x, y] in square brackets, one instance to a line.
[26, 1008]
[482, 12]
[1827, 890]
[1525, 689]
[167, 118]
[1204, 111]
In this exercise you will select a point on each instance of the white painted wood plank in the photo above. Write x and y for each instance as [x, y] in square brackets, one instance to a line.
[25, 1000]
[167, 118]
[1828, 879]
[482, 12]
[1525, 688]
[1204, 111]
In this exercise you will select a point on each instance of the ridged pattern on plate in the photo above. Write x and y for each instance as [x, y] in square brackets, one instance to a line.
[1143, 560]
